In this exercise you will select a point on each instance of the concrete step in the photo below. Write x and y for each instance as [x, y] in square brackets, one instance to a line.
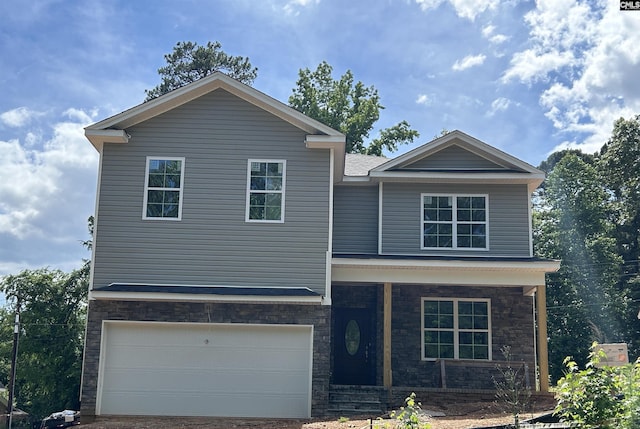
[353, 400]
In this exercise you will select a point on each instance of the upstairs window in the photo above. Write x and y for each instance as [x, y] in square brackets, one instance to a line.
[164, 179]
[456, 329]
[265, 191]
[454, 221]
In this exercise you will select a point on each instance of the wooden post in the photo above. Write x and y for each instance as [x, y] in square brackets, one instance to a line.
[543, 353]
[386, 362]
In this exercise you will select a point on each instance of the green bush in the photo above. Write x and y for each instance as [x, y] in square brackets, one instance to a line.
[599, 397]
[409, 416]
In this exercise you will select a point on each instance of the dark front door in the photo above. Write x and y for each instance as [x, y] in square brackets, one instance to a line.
[354, 346]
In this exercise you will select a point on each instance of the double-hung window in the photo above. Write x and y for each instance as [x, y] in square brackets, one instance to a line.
[455, 328]
[265, 190]
[163, 186]
[454, 221]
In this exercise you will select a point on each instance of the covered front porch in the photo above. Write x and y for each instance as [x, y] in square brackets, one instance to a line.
[378, 313]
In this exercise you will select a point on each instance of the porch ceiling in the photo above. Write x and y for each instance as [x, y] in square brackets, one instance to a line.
[513, 272]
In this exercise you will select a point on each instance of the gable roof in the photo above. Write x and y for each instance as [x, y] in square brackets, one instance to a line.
[320, 136]
[485, 164]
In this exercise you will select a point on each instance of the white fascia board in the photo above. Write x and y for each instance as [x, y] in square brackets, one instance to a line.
[495, 265]
[472, 144]
[356, 179]
[320, 141]
[458, 177]
[99, 137]
[443, 272]
[196, 89]
[279, 109]
[157, 106]
[454, 275]
[172, 297]
[332, 142]
[441, 277]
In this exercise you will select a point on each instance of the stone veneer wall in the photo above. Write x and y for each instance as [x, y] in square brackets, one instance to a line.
[511, 323]
[191, 312]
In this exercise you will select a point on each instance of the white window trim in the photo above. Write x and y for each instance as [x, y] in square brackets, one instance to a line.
[146, 187]
[282, 191]
[456, 329]
[454, 223]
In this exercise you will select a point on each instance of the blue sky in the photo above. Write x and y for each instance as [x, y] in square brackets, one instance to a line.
[528, 77]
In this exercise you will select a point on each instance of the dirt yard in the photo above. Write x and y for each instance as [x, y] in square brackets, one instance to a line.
[460, 416]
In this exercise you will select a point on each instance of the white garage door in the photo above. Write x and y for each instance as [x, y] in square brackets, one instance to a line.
[185, 369]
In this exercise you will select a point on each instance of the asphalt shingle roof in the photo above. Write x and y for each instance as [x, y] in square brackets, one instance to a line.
[359, 165]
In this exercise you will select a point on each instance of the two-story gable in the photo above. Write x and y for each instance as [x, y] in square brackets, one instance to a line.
[240, 257]
[211, 256]
[433, 266]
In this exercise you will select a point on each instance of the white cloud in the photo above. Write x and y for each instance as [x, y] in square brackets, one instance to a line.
[37, 184]
[293, 7]
[559, 31]
[18, 117]
[468, 62]
[589, 55]
[464, 8]
[68, 146]
[499, 105]
[10, 268]
[489, 33]
[25, 183]
[423, 99]
[530, 66]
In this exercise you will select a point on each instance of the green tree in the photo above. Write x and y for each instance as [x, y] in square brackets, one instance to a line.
[189, 62]
[620, 166]
[88, 244]
[349, 107]
[572, 223]
[52, 318]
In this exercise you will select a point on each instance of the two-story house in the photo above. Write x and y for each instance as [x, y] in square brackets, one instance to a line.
[243, 265]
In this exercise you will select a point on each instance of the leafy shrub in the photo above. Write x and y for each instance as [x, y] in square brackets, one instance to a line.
[599, 397]
[409, 416]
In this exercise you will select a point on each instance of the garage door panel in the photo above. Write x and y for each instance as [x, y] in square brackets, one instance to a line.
[194, 402]
[204, 358]
[132, 379]
[206, 370]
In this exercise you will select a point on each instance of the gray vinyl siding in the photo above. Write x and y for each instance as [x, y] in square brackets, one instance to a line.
[212, 244]
[508, 218]
[453, 157]
[355, 219]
